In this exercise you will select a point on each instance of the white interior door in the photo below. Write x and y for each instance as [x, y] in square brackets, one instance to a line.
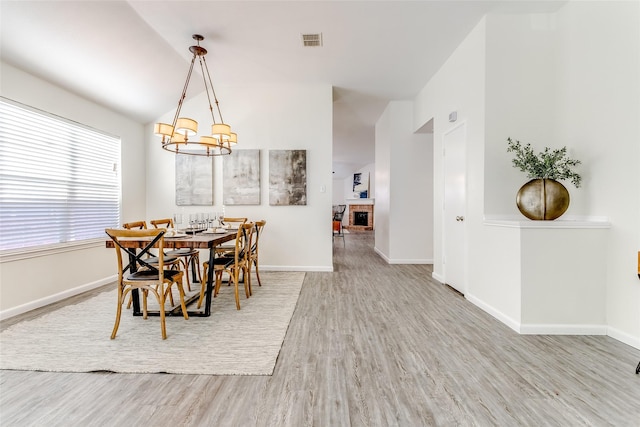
[454, 207]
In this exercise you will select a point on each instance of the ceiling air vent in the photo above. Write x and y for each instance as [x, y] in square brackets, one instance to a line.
[309, 40]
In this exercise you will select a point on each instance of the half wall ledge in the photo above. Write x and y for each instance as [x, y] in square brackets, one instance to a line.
[552, 274]
[564, 223]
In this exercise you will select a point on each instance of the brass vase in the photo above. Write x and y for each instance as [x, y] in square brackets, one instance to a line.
[542, 199]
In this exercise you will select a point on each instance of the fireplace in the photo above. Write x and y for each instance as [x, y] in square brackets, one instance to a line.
[360, 217]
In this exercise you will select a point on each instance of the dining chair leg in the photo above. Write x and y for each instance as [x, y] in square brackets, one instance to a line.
[145, 294]
[258, 273]
[170, 297]
[194, 260]
[183, 306]
[237, 293]
[191, 263]
[203, 284]
[247, 283]
[185, 314]
[118, 313]
[218, 282]
[163, 325]
[185, 264]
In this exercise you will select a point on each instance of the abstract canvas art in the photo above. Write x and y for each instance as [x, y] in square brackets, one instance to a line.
[287, 177]
[360, 185]
[241, 178]
[194, 180]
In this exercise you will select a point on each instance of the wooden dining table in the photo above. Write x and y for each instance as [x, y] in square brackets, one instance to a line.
[199, 240]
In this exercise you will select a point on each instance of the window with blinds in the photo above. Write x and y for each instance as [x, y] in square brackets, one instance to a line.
[59, 180]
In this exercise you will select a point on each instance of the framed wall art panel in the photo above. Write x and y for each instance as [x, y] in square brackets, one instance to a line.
[194, 180]
[287, 177]
[241, 178]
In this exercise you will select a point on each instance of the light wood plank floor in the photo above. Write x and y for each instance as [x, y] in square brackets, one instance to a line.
[369, 345]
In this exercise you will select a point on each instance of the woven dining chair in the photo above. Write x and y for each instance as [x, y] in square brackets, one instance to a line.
[153, 279]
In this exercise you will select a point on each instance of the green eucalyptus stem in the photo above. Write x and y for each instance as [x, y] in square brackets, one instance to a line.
[548, 164]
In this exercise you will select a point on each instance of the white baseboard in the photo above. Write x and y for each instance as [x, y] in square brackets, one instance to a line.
[437, 277]
[382, 255]
[410, 261]
[623, 337]
[32, 305]
[401, 260]
[561, 329]
[512, 323]
[555, 329]
[320, 268]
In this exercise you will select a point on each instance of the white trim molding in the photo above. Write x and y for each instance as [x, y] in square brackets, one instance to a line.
[32, 305]
[568, 222]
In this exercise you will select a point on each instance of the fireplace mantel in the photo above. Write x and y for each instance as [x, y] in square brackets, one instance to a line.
[360, 201]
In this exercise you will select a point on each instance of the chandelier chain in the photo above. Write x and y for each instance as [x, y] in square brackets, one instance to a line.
[184, 92]
[206, 89]
[213, 91]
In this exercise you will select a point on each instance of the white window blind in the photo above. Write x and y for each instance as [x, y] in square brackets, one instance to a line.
[58, 179]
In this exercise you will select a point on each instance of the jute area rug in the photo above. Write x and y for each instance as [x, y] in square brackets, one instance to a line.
[76, 338]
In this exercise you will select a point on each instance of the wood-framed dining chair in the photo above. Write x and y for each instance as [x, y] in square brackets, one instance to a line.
[187, 256]
[169, 261]
[253, 253]
[233, 223]
[151, 278]
[232, 264]
[135, 225]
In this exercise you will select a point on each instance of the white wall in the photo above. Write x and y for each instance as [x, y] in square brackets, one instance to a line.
[338, 196]
[521, 85]
[265, 118]
[283, 117]
[569, 78]
[581, 68]
[404, 216]
[384, 138]
[458, 86]
[599, 103]
[520, 65]
[563, 287]
[343, 188]
[33, 282]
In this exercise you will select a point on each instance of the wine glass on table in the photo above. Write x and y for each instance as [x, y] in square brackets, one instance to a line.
[193, 222]
[177, 221]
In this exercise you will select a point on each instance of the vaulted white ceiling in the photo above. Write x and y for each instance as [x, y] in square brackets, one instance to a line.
[132, 56]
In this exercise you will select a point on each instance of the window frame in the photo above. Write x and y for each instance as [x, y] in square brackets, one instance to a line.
[113, 192]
